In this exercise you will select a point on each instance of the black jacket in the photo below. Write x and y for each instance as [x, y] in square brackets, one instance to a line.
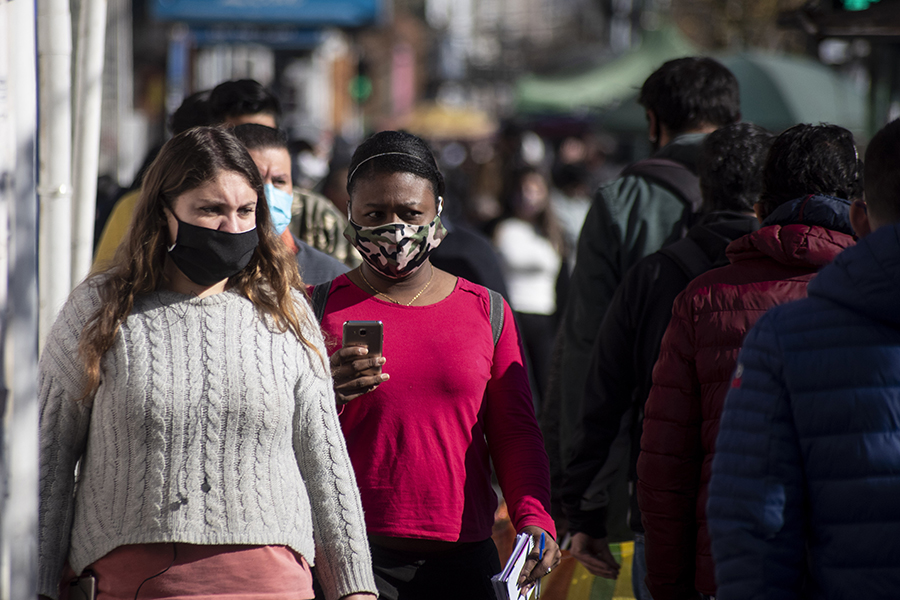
[624, 352]
[468, 253]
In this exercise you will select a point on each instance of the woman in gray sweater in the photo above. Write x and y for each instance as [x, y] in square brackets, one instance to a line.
[189, 383]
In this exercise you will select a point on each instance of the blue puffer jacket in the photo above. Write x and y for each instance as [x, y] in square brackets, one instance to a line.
[805, 494]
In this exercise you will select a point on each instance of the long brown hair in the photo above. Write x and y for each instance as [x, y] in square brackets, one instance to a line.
[186, 162]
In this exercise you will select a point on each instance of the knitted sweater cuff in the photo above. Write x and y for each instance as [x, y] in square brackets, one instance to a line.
[48, 586]
[355, 581]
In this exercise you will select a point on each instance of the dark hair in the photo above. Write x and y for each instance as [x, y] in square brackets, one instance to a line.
[566, 176]
[730, 166]
[811, 159]
[299, 145]
[254, 136]
[186, 162]
[511, 196]
[882, 177]
[242, 97]
[687, 93]
[394, 152]
[193, 112]
[341, 153]
[511, 186]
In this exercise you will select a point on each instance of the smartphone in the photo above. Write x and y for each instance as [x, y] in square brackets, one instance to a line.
[365, 333]
[83, 588]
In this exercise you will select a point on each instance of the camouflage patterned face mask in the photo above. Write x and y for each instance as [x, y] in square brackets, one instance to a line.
[396, 250]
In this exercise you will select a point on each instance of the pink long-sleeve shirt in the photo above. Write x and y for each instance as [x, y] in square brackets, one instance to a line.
[420, 443]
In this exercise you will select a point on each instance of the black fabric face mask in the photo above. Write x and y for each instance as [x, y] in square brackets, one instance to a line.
[207, 256]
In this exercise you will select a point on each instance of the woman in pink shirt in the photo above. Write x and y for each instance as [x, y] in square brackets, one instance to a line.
[446, 398]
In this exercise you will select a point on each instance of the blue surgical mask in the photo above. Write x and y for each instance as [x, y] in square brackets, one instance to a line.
[279, 207]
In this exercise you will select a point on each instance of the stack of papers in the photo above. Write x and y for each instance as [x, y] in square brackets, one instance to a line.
[505, 581]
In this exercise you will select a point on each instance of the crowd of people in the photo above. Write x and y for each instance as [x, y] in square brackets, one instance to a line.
[711, 337]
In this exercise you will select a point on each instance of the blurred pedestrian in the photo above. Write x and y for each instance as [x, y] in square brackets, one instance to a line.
[323, 222]
[308, 165]
[453, 397]
[803, 496]
[569, 193]
[627, 345]
[269, 149]
[188, 383]
[239, 101]
[811, 176]
[334, 185]
[531, 248]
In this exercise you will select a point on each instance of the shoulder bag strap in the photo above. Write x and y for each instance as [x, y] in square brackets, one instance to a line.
[319, 297]
[496, 314]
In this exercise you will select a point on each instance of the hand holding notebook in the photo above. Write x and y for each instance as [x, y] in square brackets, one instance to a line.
[506, 581]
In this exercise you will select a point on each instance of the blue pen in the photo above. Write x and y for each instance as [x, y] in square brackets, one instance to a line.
[540, 558]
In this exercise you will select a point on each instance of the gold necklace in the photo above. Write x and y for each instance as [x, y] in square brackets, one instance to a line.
[416, 297]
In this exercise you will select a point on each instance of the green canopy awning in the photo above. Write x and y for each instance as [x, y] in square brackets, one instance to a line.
[606, 85]
[777, 91]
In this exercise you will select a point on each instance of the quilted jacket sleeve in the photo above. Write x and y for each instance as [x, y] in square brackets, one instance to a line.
[756, 494]
[670, 460]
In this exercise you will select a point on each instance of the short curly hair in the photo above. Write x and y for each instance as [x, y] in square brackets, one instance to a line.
[730, 167]
[811, 159]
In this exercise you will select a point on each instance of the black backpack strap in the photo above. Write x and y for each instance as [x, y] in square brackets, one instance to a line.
[319, 298]
[688, 255]
[673, 175]
[496, 314]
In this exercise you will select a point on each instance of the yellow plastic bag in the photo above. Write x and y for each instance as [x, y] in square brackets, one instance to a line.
[584, 586]
[571, 581]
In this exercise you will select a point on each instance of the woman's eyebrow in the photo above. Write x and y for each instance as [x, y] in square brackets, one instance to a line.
[210, 201]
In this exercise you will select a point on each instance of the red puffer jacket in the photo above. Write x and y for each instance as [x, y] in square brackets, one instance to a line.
[698, 355]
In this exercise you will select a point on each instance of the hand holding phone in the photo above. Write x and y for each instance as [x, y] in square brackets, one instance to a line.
[357, 371]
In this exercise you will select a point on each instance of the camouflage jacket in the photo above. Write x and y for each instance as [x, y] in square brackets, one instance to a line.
[316, 221]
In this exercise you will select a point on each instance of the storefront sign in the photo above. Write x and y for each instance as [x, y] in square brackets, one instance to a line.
[307, 13]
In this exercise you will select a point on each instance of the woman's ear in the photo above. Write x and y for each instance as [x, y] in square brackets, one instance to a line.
[859, 219]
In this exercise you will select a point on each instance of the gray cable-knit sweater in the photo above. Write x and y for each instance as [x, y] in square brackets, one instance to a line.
[209, 427]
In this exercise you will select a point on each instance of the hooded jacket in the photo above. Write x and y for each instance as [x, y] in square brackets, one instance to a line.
[697, 358]
[806, 480]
